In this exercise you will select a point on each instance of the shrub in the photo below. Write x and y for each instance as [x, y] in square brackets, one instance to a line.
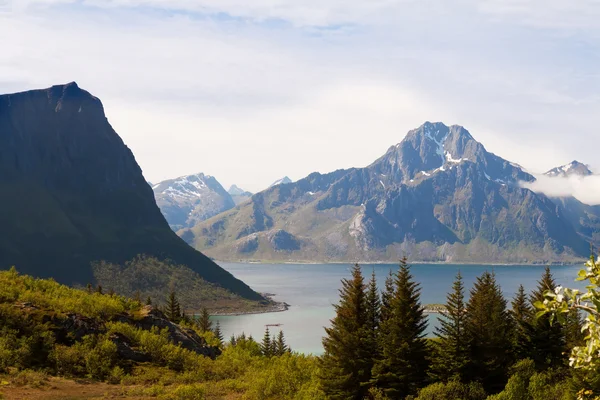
[452, 390]
[34, 379]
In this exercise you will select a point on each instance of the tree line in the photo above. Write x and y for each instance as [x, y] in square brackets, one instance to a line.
[376, 346]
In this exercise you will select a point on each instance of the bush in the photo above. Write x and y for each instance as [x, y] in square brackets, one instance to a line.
[30, 378]
[453, 390]
[185, 392]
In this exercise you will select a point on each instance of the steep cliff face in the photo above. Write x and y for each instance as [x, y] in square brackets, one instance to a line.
[73, 193]
[438, 195]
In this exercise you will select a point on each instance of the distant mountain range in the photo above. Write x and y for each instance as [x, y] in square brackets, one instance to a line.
[188, 200]
[72, 193]
[438, 195]
[238, 195]
[281, 181]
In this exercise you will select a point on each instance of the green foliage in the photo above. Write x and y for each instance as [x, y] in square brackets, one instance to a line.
[203, 321]
[173, 308]
[373, 319]
[402, 367]
[345, 364]
[489, 330]
[266, 347]
[547, 340]
[452, 347]
[453, 390]
[219, 334]
[522, 319]
[147, 277]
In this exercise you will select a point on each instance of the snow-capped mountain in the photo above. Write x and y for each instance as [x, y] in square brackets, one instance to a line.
[189, 199]
[571, 169]
[281, 181]
[438, 195]
[238, 194]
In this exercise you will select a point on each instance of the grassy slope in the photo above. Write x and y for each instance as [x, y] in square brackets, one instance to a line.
[31, 351]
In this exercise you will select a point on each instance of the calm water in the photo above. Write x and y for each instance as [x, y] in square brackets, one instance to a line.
[311, 289]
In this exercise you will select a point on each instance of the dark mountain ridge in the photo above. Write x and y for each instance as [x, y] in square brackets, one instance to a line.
[73, 193]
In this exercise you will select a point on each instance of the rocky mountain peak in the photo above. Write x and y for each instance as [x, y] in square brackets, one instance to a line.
[281, 181]
[235, 190]
[574, 168]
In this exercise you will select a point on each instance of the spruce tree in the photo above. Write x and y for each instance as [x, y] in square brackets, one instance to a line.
[148, 301]
[218, 333]
[402, 367]
[203, 322]
[522, 316]
[386, 296]
[452, 348]
[266, 347]
[548, 341]
[572, 327]
[232, 340]
[373, 317]
[280, 346]
[489, 330]
[173, 308]
[345, 363]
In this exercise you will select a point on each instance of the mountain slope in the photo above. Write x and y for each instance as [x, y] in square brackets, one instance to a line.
[438, 195]
[190, 199]
[281, 181]
[73, 193]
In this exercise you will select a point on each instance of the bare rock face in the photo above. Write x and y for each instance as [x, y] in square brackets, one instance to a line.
[72, 193]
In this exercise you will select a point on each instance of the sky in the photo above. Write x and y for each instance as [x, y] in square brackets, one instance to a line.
[251, 90]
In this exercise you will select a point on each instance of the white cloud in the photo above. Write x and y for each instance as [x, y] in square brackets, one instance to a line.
[585, 189]
[250, 91]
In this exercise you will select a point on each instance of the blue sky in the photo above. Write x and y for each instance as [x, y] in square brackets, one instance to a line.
[249, 91]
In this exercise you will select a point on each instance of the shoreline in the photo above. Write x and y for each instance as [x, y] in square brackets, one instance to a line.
[457, 263]
[274, 307]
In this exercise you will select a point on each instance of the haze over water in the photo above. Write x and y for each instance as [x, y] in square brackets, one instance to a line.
[312, 289]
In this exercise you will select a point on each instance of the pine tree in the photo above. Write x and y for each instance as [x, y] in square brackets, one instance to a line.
[522, 316]
[373, 317]
[386, 296]
[173, 308]
[452, 348]
[548, 341]
[573, 325]
[203, 321]
[345, 363]
[266, 346]
[148, 301]
[280, 346]
[218, 333]
[232, 340]
[489, 330]
[402, 367]
[99, 289]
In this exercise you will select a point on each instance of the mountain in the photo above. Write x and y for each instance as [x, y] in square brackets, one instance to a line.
[72, 193]
[438, 195]
[281, 181]
[571, 169]
[238, 195]
[190, 199]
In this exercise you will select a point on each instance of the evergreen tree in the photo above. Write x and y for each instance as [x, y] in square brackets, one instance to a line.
[203, 322]
[148, 301]
[218, 333]
[345, 363]
[89, 288]
[99, 289]
[173, 308]
[402, 367]
[452, 348]
[572, 327]
[266, 346]
[280, 346]
[522, 316]
[489, 330]
[232, 340]
[548, 341]
[386, 296]
[373, 317]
